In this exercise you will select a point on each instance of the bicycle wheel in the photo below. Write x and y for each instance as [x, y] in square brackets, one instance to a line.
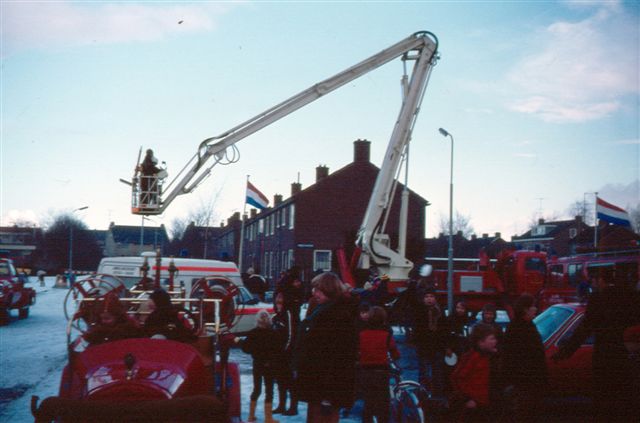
[406, 406]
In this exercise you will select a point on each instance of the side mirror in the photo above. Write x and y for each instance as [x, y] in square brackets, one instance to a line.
[426, 270]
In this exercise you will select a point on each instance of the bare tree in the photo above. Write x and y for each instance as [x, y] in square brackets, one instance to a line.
[461, 223]
[581, 208]
[634, 215]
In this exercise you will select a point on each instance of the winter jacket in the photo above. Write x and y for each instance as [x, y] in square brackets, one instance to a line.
[261, 344]
[430, 342]
[375, 345]
[523, 358]
[325, 354]
[471, 378]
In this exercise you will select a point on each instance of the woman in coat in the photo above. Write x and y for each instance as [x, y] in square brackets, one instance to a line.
[326, 351]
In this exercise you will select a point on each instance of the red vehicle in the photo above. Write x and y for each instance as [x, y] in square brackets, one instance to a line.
[13, 294]
[142, 378]
[499, 281]
[568, 276]
[570, 377]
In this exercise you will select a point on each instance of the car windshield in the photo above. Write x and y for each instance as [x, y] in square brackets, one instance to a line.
[550, 320]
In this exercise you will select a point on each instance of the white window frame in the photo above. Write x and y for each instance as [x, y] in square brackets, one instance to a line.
[316, 263]
[292, 215]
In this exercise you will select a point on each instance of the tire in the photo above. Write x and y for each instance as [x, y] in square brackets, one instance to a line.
[406, 407]
[23, 313]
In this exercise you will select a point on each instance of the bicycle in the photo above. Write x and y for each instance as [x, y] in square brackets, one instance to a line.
[408, 398]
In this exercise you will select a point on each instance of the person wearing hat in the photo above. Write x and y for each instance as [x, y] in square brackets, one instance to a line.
[430, 338]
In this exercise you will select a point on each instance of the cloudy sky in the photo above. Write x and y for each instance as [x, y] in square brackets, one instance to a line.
[542, 98]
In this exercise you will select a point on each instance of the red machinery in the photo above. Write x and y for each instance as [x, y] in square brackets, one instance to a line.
[13, 294]
[499, 281]
[141, 378]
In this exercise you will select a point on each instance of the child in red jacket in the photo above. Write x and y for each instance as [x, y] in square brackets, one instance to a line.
[376, 343]
[472, 380]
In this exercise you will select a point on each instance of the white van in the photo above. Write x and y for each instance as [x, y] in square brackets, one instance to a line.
[189, 272]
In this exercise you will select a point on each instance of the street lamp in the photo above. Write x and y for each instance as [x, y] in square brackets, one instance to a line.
[445, 133]
[71, 239]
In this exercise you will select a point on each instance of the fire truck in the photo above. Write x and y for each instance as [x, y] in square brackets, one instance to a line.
[143, 378]
[570, 278]
[500, 281]
[151, 195]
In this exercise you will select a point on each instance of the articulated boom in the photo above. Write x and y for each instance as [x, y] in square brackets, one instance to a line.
[420, 47]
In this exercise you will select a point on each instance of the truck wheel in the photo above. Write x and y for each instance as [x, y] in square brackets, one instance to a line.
[23, 313]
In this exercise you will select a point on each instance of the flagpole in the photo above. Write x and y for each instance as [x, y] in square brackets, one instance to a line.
[595, 232]
[244, 210]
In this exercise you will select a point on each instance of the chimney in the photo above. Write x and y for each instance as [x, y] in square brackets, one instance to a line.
[254, 213]
[540, 221]
[296, 187]
[498, 235]
[578, 220]
[485, 235]
[321, 173]
[474, 237]
[277, 200]
[361, 151]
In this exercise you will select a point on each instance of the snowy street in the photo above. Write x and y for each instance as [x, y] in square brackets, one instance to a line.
[33, 354]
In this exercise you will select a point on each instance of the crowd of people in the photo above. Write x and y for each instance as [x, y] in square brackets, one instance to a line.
[341, 350]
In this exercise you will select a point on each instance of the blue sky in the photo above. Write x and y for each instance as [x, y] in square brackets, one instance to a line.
[541, 97]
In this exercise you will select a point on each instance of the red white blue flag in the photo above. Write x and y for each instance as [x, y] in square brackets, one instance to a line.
[612, 214]
[255, 197]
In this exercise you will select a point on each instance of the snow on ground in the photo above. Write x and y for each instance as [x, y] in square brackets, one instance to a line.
[33, 354]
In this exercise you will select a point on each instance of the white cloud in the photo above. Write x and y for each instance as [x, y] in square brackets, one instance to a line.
[50, 24]
[580, 71]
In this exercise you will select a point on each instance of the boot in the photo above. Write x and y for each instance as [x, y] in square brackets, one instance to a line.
[252, 411]
[268, 414]
[282, 399]
[293, 407]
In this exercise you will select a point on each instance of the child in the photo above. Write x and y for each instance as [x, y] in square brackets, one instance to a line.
[473, 380]
[376, 341]
[262, 344]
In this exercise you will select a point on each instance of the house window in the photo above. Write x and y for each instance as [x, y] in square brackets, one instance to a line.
[322, 260]
[573, 232]
[292, 215]
[290, 264]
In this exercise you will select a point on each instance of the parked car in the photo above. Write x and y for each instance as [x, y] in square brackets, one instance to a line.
[570, 377]
[13, 294]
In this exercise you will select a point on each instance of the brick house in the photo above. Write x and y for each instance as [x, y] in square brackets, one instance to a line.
[560, 238]
[123, 240]
[306, 229]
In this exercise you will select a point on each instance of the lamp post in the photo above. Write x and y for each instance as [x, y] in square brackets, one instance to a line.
[445, 133]
[71, 239]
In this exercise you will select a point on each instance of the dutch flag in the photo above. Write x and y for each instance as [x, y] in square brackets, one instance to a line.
[255, 197]
[612, 214]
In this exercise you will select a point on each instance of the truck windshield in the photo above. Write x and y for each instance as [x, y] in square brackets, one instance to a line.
[535, 264]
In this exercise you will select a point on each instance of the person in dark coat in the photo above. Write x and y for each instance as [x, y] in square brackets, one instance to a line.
[430, 339]
[264, 348]
[326, 351]
[165, 319]
[488, 316]
[458, 326]
[610, 310]
[524, 367]
[292, 292]
[149, 177]
[285, 327]
[113, 323]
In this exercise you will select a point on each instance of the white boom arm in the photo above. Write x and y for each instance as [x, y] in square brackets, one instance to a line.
[420, 47]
